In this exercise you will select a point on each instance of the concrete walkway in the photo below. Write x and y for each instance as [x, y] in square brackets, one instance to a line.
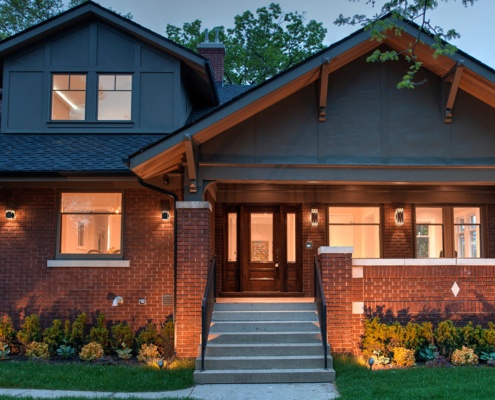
[289, 391]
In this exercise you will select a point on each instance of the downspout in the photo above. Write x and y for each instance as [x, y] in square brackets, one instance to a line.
[176, 199]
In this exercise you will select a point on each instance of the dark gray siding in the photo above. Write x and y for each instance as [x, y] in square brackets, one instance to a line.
[160, 103]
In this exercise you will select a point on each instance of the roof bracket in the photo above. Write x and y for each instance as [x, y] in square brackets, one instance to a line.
[192, 166]
[453, 76]
[325, 71]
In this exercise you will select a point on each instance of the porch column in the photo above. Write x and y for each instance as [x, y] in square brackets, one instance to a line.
[342, 324]
[195, 247]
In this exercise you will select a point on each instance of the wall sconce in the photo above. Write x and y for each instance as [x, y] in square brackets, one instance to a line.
[10, 214]
[165, 207]
[118, 301]
[314, 217]
[399, 216]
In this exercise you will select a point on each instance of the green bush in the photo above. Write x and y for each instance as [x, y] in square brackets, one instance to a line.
[149, 335]
[167, 338]
[91, 352]
[403, 357]
[54, 336]
[77, 332]
[122, 333]
[30, 330]
[37, 350]
[447, 338]
[7, 331]
[99, 333]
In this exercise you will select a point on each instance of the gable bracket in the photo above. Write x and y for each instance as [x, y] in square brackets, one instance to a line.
[191, 162]
[325, 70]
[453, 76]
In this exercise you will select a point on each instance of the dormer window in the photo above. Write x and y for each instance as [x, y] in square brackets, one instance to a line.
[69, 97]
[114, 97]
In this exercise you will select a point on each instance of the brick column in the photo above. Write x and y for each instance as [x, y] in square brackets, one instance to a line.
[336, 270]
[194, 251]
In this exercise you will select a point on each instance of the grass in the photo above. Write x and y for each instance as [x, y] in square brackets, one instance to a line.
[355, 381]
[80, 376]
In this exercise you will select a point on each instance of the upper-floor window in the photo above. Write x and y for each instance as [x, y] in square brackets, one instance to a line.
[91, 224]
[114, 97]
[90, 97]
[69, 97]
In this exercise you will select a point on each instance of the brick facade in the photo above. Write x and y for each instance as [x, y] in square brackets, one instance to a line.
[215, 52]
[28, 286]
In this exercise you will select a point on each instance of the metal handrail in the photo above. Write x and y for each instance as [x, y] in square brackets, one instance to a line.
[207, 308]
[321, 306]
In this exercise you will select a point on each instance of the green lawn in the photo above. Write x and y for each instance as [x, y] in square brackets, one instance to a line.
[79, 376]
[356, 382]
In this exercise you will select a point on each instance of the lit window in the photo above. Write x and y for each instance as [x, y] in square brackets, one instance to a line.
[91, 223]
[429, 232]
[68, 97]
[114, 97]
[467, 232]
[358, 227]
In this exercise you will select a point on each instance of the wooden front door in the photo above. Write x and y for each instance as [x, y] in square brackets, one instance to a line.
[268, 260]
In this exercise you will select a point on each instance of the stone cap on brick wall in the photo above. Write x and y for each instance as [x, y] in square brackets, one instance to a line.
[335, 250]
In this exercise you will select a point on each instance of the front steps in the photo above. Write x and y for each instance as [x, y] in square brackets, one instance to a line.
[264, 342]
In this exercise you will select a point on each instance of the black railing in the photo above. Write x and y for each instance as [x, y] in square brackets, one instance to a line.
[207, 308]
[321, 306]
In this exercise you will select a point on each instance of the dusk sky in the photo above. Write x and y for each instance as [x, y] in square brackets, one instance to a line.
[475, 24]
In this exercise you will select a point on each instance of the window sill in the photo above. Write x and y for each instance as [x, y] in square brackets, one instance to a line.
[88, 263]
[90, 124]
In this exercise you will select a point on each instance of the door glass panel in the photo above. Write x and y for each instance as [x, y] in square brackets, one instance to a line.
[261, 237]
[467, 232]
[232, 237]
[291, 237]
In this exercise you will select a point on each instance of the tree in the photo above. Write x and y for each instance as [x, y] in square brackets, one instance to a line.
[386, 22]
[258, 46]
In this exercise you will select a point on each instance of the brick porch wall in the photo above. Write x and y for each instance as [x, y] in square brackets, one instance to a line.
[402, 290]
[28, 286]
[195, 246]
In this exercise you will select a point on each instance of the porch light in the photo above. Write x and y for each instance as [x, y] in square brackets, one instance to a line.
[165, 207]
[399, 216]
[314, 217]
[10, 214]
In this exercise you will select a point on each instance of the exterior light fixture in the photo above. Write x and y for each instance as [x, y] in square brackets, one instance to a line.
[399, 216]
[165, 207]
[314, 217]
[10, 214]
[118, 301]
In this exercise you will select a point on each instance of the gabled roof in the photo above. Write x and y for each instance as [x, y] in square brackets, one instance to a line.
[477, 79]
[196, 67]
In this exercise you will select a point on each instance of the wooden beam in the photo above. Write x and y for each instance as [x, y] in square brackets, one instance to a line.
[191, 163]
[455, 74]
[325, 70]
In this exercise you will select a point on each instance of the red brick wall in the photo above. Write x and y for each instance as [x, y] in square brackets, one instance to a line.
[318, 236]
[490, 231]
[216, 57]
[28, 286]
[398, 241]
[195, 245]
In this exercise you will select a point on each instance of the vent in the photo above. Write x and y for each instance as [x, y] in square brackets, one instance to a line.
[167, 300]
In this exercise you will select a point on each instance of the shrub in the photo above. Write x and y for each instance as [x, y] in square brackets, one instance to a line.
[464, 356]
[4, 351]
[37, 350]
[447, 337]
[149, 355]
[167, 338]
[99, 333]
[7, 332]
[375, 337]
[65, 351]
[149, 335]
[418, 337]
[403, 357]
[30, 330]
[122, 333]
[54, 336]
[77, 332]
[91, 352]
[125, 352]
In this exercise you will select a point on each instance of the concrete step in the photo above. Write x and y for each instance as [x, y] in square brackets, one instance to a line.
[264, 376]
[265, 306]
[264, 362]
[260, 349]
[264, 337]
[264, 326]
[279, 315]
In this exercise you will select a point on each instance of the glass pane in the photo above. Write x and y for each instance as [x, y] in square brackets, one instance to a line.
[429, 241]
[261, 237]
[91, 203]
[429, 215]
[60, 82]
[123, 82]
[291, 237]
[78, 82]
[106, 82]
[232, 237]
[365, 239]
[114, 106]
[91, 234]
[68, 105]
[353, 215]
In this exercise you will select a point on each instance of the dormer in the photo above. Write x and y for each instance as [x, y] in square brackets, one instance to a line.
[89, 70]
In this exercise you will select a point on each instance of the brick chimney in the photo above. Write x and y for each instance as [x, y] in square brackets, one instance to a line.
[215, 52]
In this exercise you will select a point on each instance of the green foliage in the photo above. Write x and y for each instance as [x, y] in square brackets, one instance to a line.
[464, 356]
[487, 356]
[418, 336]
[388, 21]
[7, 332]
[54, 336]
[91, 352]
[4, 351]
[167, 338]
[149, 355]
[37, 350]
[125, 352]
[77, 332]
[258, 46]
[99, 333]
[403, 357]
[65, 351]
[380, 358]
[122, 333]
[429, 353]
[30, 330]
[149, 335]
[447, 338]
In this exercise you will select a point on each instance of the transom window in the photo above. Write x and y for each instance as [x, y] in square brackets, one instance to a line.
[358, 227]
[91, 223]
[69, 97]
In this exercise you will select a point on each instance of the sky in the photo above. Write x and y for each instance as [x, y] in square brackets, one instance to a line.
[474, 23]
